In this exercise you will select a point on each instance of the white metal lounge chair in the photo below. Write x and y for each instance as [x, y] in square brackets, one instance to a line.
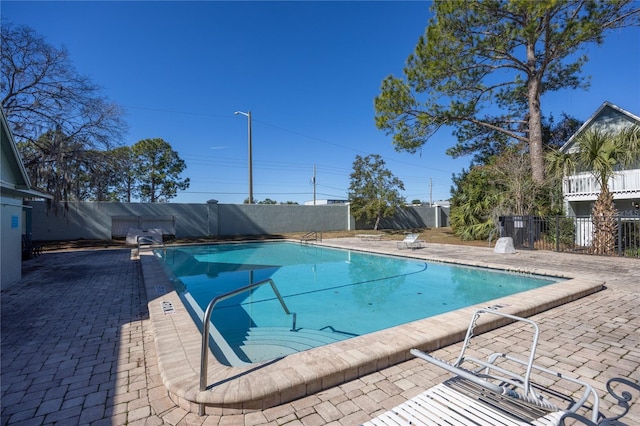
[411, 241]
[499, 391]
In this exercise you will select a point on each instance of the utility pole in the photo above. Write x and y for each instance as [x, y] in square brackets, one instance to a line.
[250, 161]
[430, 192]
[313, 180]
[248, 115]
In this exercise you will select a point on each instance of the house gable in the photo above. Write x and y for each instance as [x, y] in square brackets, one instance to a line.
[581, 188]
[609, 117]
[14, 180]
[12, 173]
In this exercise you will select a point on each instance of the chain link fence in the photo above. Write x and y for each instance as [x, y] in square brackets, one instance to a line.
[569, 234]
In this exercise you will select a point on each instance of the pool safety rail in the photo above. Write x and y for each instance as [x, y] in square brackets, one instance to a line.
[151, 242]
[311, 236]
[204, 353]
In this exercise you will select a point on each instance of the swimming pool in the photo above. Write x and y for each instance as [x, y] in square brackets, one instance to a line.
[336, 294]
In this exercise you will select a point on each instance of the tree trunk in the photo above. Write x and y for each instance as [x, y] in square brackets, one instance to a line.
[536, 152]
[605, 225]
[375, 226]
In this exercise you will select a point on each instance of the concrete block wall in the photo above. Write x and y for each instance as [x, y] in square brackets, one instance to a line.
[95, 220]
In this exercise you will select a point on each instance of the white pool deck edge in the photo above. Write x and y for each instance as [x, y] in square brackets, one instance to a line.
[236, 390]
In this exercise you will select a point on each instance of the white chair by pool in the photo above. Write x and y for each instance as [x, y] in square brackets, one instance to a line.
[499, 391]
[411, 241]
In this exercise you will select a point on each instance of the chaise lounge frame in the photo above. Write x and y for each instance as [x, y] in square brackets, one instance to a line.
[485, 392]
[411, 241]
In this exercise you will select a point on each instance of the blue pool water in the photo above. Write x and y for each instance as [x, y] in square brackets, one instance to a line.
[336, 294]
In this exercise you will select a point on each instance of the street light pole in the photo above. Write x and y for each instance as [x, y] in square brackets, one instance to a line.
[248, 115]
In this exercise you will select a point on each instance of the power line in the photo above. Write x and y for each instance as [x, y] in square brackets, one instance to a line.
[284, 129]
[238, 163]
[200, 114]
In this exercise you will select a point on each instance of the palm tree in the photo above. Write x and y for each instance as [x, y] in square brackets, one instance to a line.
[602, 153]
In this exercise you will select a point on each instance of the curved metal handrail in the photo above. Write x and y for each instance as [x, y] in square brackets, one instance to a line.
[204, 354]
[149, 241]
[311, 236]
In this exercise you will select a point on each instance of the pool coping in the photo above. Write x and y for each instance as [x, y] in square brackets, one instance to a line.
[236, 390]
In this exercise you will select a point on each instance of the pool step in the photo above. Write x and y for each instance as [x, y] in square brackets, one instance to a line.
[263, 343]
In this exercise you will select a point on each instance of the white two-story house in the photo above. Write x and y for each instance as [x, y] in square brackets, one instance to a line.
[581, 190]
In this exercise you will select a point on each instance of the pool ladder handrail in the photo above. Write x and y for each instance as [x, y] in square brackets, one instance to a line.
[311, 236]
[204, 354]
[150, 242]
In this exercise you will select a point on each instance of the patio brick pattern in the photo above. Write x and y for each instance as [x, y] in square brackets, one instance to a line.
[78, 348]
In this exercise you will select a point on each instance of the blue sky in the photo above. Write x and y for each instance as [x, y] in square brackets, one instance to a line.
[307, 71]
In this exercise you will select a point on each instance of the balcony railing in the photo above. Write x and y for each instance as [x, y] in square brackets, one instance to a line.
[584, 184]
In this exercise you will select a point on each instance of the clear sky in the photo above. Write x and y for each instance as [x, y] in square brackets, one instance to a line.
[307, 71]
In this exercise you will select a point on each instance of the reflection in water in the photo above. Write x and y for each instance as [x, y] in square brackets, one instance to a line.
[382, 276]
[473, 284]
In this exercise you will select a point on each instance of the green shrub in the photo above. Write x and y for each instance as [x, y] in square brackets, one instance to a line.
[562, 230]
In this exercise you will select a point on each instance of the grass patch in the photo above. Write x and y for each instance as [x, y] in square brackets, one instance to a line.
[430, 235]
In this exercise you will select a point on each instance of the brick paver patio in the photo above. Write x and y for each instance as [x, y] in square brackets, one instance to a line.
[77, 346]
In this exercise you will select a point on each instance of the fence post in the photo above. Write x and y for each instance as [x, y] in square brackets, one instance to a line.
[620, 248]
[531, 236]
[557, 233]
